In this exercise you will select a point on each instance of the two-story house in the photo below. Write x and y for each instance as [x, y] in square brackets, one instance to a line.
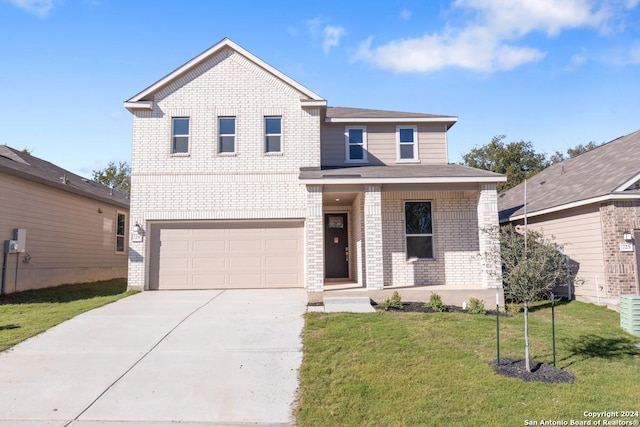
[244, 178]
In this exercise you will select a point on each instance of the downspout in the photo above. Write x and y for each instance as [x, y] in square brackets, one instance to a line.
[4, 272]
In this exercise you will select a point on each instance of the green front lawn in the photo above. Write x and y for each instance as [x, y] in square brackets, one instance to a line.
[414, 369]
[28, 313]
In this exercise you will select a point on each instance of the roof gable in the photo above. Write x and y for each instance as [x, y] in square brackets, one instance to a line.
[16, 163]
[610, 170]
[143, 100]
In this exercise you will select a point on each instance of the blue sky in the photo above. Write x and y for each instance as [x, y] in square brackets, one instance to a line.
[556, 73]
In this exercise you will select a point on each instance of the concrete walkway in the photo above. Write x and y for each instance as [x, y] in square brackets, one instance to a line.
[160, 359]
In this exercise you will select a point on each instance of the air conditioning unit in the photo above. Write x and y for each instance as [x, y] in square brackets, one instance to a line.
[630, 314]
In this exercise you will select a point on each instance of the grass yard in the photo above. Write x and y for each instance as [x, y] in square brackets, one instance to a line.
[416, 369]
[28, 313]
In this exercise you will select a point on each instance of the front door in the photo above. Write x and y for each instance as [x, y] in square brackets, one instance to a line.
[336, 246]
[636, 242]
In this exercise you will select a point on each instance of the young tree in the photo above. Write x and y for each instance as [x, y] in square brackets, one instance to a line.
[116, 176]
[517, 160]
[531, 268]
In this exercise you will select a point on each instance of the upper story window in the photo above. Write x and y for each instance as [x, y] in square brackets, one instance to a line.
[418, 230]
[180, 135]
[407, 138]
[356, 144]
[227, 127]
[273, 134]
[121, 226]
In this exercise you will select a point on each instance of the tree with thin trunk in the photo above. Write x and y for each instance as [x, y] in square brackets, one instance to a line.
[530, 270]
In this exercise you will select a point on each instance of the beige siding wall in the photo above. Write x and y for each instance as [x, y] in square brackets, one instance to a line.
[70, 238]
[580, 231]
[382, 144]
[456, 245]
[204, 184]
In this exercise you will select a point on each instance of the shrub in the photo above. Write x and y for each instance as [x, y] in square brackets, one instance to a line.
[476, 306]
[394, 302]
[513, 308]
[435, 303]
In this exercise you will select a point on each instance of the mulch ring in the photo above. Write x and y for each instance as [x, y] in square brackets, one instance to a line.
[542, 372]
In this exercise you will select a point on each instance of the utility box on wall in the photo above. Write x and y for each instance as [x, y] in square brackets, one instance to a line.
[20, 236]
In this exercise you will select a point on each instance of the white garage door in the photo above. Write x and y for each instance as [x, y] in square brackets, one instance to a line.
[223, 255]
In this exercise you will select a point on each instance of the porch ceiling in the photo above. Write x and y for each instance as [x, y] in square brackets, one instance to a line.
[338, 198]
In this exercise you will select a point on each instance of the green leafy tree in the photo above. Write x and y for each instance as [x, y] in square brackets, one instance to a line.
[26, 150]
[531, 268]
[517, 160]
[116, 176]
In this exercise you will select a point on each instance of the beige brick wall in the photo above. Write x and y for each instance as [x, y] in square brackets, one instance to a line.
[456, 241]
[204, 184]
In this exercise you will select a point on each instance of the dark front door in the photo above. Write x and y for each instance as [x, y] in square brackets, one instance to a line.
[636, 242]
[336, 246]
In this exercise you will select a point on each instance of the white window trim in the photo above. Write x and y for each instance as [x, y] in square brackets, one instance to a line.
[264, 142]
[235, 137]
[124, 236]
[173, 135]
[416, 152]
[404, 231]
[347, 152]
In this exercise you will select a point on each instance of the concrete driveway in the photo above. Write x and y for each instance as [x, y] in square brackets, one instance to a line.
[160, 359]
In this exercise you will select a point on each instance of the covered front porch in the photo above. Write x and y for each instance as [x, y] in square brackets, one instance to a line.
[420, 235]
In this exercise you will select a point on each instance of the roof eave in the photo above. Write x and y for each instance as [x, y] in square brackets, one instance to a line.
[63, 187]
[448, 120]
[138, 105]
[405, 180]
[576, 204]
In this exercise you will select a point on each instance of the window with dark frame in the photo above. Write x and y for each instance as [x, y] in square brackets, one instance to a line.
[180, 135]
[273, 134]
[121, 224]
[418, 230]
[227, 130]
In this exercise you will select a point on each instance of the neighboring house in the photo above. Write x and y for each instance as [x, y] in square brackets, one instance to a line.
[243, 178]
[73, 229]
[591, 205]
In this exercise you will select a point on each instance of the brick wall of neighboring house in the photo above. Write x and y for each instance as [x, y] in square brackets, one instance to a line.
[208, 185]
[620, 267]
[456, 240]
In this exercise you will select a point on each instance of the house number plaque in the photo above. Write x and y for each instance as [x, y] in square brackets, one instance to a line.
[626, 247]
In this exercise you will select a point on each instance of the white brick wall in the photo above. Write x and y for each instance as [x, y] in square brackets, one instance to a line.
[456, 246]
[488, 242]
[373, 237]
[203, 184]
[314, 245]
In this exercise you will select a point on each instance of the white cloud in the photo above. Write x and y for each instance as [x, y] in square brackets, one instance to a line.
[38, 7]
[331, 37]
[489, 40]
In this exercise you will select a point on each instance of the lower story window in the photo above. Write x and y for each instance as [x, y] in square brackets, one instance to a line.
[120, 232]
[418, 230]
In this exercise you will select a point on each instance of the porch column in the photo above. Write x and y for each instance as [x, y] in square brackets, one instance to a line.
[313, 231]
[487, 235]
[373, 237]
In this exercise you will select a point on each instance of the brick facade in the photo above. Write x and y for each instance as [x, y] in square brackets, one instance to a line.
[203, 184]
[618, 217]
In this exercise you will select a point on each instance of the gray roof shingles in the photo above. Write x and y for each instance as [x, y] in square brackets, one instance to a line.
[363, 113]
[596, 173]
[29, 167]
[399, 171]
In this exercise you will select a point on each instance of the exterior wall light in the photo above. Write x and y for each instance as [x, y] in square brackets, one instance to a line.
[136, 227]
[627, 236]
